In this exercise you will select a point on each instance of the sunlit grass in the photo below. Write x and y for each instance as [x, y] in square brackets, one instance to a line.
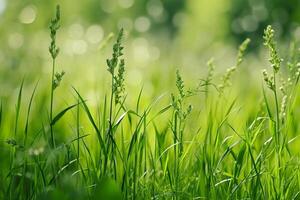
[203, 140]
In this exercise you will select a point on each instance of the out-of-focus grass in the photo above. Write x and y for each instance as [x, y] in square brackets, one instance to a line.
[203, 141]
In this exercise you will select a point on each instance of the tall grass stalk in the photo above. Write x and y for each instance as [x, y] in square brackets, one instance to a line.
[160, 149]
[54, 51]
[275, 62]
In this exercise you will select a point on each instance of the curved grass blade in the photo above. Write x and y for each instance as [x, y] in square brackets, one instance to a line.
[18, 107]
[101, 141]
[61, 170]
[28, 111]
[61, 114]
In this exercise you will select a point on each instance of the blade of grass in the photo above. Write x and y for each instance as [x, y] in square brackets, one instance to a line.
[28, 112]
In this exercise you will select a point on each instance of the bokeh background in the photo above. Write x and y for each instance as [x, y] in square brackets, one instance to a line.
[161, 36]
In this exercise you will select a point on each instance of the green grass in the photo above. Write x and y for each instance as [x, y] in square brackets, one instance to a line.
[206, 142]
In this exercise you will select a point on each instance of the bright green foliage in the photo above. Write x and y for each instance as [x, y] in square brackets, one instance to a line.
[238, 146]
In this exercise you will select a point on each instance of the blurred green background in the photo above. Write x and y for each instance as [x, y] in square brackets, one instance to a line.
[161, 35]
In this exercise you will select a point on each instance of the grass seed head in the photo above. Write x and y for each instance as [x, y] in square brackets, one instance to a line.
[180, 85]
[57, 79]
[117, 53]
[269, 80]
[283, 108]
[211, 69]
[115, 62]
[230, 71]
[269, 41]
[242, 49]
[54, 26]
[119, 82]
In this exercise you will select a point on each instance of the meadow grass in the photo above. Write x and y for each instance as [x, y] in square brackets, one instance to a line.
[197, 143]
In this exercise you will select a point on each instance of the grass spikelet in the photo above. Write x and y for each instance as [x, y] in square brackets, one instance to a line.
[230, 71]
[241, 53]
[54, 26]
[57, 79]
[119, 83]
[269, 41]
[269, 80]
[180, 85]
[117, 53]
[117, 80]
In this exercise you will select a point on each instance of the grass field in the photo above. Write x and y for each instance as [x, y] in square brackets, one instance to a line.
[222, 136]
